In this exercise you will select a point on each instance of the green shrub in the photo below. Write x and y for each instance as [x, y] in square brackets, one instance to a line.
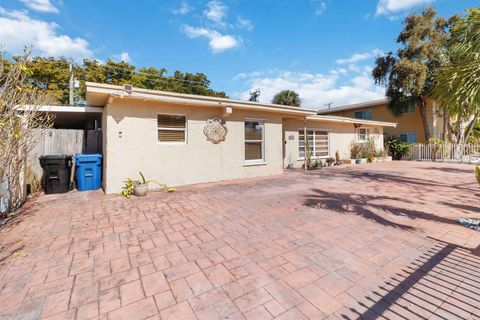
[370, 149]
[364, 152]
[355, 150]
[397, 148]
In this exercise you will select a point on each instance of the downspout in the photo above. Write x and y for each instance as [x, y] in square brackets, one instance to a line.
[305, 142]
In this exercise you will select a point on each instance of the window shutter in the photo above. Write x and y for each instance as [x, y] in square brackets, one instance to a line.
[171, 136]
[167, 121]
[171, 128]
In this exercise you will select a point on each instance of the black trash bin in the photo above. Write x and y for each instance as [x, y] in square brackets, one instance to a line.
[56, 173]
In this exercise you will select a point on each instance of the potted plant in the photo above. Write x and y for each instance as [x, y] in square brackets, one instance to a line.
[355, 149]
[477, 173]
[139, 188]
[363, 155]
[330, 162]
[314, 164]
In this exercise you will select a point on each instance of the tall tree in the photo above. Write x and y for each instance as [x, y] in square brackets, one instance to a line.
[48, 74]
[408, 74]
[457, 85]
[287, 98]
[52, 75]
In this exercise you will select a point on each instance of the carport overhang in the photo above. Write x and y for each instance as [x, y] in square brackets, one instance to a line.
[69, 117]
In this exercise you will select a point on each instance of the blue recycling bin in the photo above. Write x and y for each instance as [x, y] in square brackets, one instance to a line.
[89, 171]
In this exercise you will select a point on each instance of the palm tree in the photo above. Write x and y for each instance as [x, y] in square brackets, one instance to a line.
[287, 98]
[457, 85]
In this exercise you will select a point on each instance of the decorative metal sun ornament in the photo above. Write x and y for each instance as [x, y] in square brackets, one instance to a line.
[215, 130]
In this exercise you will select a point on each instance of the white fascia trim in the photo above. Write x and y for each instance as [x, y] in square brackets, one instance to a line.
[189, 99]
[351, 120]
[72, 109]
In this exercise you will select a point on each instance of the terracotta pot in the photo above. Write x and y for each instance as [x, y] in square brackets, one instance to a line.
[140, 190]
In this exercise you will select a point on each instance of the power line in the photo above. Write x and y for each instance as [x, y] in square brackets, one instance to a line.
[124, 71]
[147, 74]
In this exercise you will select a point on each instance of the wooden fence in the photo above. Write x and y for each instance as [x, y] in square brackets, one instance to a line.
[59, 142]
[465, 153]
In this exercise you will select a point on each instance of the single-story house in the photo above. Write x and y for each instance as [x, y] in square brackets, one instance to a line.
[181, 139]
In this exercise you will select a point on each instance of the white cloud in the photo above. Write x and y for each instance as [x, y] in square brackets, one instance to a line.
[124, 56]
[216, 12]
[183, 10]
[316, 89]
[243, 23]
[320, 7]
[357, 57]
[40, 5]
[342, 85]
[388, 7]
[19, 30]
[215, 19]
[217, 42]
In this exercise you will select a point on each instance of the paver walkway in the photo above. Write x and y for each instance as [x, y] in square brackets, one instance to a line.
[370, 241]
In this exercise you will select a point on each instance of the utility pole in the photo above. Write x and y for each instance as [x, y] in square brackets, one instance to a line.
[70, 84]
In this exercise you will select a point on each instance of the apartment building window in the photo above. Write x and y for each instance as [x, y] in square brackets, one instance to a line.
[409, 107]
[408, 137]
[364, 114]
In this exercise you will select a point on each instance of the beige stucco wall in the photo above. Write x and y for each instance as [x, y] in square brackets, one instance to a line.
[196, 161]
[341, 136]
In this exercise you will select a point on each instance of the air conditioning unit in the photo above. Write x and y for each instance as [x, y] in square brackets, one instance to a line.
[128, 88]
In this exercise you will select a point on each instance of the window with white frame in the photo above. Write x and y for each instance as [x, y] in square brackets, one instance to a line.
[254, 141]
[171, 128]
[363, 134]
[318, 143]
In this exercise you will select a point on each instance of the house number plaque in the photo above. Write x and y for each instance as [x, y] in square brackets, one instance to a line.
[215, 130]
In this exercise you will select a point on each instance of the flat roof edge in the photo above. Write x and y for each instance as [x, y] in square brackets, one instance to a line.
[146, 94]
[371, 103]
[351, 120]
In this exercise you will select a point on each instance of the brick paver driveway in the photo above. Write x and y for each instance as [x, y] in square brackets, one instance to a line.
[370, 241]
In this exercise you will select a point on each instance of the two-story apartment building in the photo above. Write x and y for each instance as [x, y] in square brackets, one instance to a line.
[409, 127]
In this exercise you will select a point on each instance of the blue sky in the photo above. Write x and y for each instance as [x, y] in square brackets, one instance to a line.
[323, 49]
